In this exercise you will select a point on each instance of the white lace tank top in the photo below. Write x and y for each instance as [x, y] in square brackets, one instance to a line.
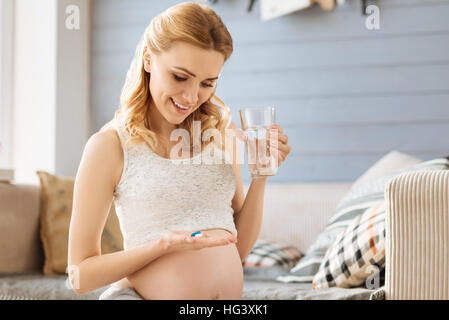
[156, 194]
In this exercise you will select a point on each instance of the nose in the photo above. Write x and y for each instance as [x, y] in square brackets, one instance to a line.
[190, 96]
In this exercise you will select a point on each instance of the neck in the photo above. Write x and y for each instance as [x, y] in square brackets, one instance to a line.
[158, 124]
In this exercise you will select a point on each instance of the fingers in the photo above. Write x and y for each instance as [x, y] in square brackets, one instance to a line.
[205, 240]
[230, 239]
[209, 241]
[282, 148]
[220, 240]
[278, 143]
[275, 126]
[282, 137]
[277, 138]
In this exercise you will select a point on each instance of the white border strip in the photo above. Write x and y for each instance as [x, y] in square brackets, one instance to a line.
[6, 82]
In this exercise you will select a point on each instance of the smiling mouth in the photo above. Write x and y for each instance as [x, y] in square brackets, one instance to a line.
[177, 107]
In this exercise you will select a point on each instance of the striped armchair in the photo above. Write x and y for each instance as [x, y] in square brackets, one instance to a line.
[417, 236]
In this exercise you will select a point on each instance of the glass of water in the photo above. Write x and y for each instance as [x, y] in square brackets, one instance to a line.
[256, 125]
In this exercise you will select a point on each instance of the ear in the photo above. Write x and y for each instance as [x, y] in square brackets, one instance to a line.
[147, 59]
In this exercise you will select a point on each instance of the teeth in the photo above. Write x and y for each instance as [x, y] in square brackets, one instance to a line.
[180, 106]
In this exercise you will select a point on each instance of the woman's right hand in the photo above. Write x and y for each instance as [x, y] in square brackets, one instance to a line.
[174, 240]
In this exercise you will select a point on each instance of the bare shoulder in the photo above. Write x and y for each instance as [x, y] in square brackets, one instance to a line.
[108, 136]
[105, 141]
[105, 148]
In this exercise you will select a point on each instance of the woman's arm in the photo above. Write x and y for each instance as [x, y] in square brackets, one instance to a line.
[248, 212]
[101, 270]
[248, 220]
[98, 173]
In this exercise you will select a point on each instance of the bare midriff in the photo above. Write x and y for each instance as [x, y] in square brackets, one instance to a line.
[208, 273]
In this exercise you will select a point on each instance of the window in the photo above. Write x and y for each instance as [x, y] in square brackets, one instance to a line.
[6, 79]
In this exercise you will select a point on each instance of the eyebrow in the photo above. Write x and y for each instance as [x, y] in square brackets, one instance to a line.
[187, 71]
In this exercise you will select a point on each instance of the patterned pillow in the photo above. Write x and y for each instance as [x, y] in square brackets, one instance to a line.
[309, 265]
[55, 214]
[270, 253]
[348, 261]
[364, 197]
[360, 250]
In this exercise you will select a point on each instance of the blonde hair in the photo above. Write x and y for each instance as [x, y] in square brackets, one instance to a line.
[196, 24]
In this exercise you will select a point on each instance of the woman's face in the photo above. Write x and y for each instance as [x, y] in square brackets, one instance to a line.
[186, 75]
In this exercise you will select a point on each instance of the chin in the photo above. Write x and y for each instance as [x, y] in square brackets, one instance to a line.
[177, 121]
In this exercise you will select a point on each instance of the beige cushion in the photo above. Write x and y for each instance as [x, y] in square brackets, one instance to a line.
[20, 246]
[297, 212]
[374, 178]
[390, 162]
[55, 214]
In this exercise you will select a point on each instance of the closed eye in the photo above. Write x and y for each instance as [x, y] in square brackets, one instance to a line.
[184, 79]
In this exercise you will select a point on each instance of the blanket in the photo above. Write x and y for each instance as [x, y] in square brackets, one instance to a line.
[259, 284]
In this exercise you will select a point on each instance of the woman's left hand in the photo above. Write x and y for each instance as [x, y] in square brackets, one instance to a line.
[278, 147]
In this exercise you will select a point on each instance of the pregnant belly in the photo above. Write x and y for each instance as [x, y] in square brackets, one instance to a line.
[208, 273]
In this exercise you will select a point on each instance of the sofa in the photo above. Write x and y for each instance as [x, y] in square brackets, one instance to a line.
[294, 213]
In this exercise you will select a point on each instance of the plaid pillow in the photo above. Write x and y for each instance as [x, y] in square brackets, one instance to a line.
[348, 261]
[363, 198]
[270, 253]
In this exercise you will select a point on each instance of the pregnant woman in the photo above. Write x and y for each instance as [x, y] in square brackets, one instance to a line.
[162, 198]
